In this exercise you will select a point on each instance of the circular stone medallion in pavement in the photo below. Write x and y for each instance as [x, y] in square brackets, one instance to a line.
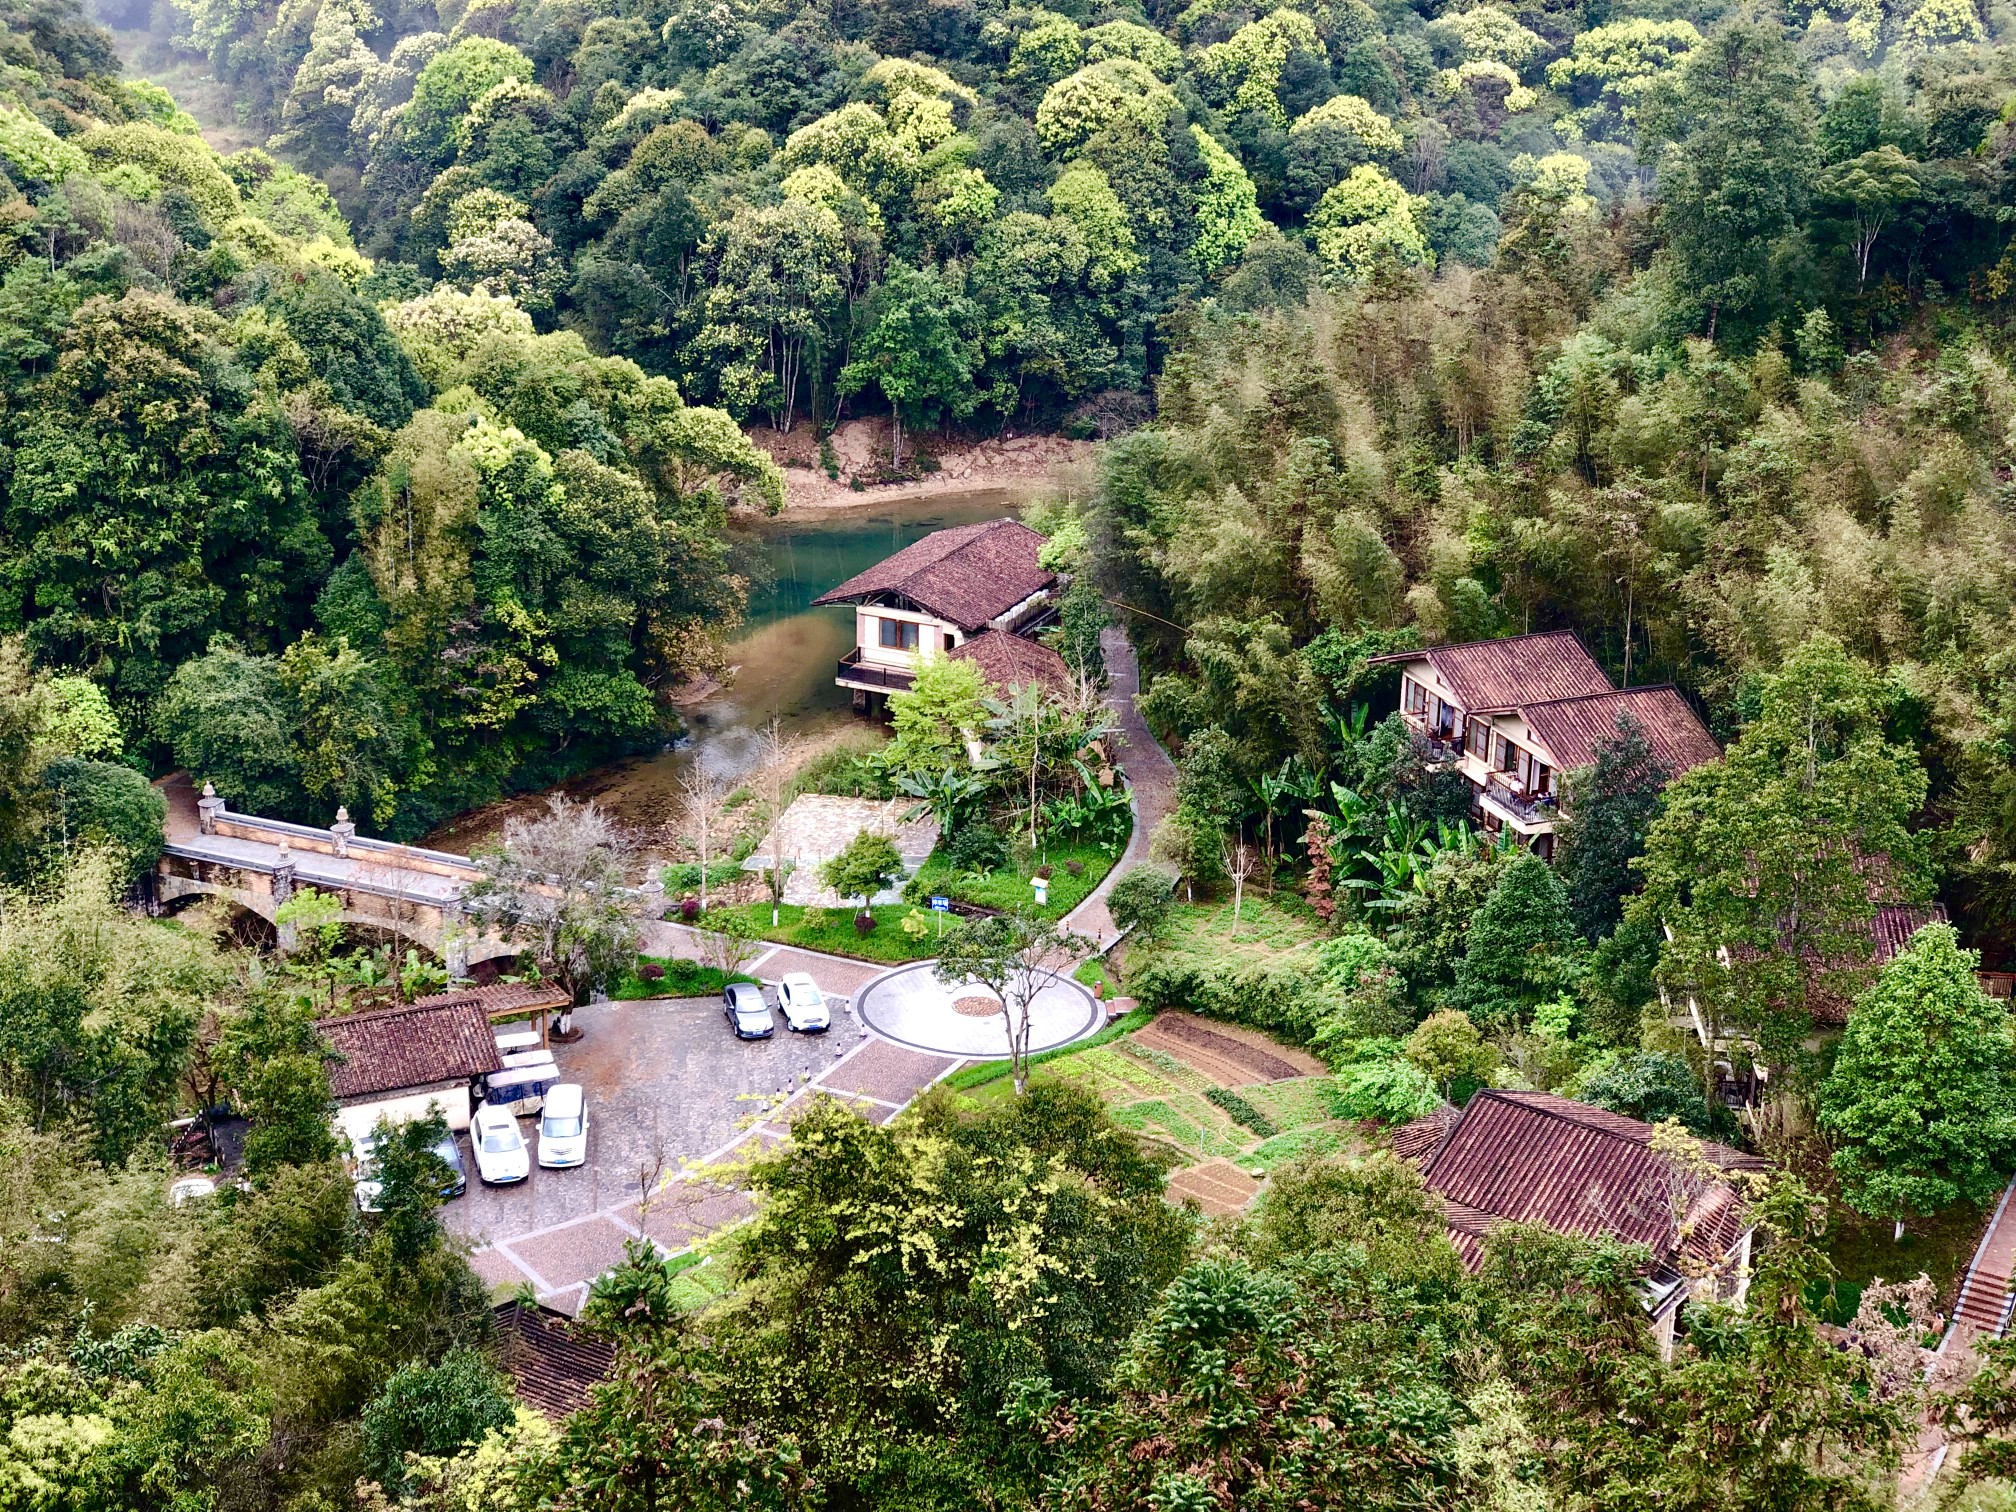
[912, 1007]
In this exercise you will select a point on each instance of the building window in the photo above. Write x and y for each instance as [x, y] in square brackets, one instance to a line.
[1415, 694]
[899, 635]
[1479, 739]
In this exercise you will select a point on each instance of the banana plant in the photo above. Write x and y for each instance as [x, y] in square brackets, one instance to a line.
[944, 795]
[1278, 793]
[1103, 814]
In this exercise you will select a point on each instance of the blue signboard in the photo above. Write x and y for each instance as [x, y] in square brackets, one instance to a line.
[941, 905]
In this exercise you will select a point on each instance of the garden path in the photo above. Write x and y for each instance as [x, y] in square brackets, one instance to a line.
[1151, 779]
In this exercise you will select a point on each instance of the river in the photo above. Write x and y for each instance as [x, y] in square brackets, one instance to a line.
[783, 658]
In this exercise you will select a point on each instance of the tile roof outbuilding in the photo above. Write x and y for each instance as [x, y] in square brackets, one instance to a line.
[1012, 661]
[552, 1361]
[966, 575]
[500, 997]
[1532, 1157]
[409, 1047]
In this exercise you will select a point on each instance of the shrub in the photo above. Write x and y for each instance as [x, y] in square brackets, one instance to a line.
[1279, 998]
[433, 1409]
[1385, 1087]
[1448, 1049]
[1076, 868]
[1242, 1111]
[1653, 1086]
[975, 846]
[651, 971]
[1142, 900]
[864, 922]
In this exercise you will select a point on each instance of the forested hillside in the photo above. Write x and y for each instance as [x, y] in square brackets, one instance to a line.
[578, 227]
[326, 543]
[391, 464]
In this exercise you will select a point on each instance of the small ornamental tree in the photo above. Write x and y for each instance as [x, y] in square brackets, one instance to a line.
[1448, 1049]
[1519, 945]
[555, 886]
[1920, 1104]
[1142, 901]
[866, 867]
[1017, 958]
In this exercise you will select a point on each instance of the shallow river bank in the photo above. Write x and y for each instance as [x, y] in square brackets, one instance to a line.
[783, 661]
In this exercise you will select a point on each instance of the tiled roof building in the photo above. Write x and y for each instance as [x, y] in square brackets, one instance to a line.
[977, 591]
[1532, 1157]
[1515, 715]
[409, 1048]
[968, 575]
[552, 1361]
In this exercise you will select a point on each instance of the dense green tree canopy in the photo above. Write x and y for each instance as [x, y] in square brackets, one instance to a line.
[1919, 1101]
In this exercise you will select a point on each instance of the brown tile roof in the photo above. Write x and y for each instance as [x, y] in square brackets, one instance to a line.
[967, 575]
[1569, 729]
[500, 997]
[1893, 927]
[551, 1360]
[1890, 930]
[1531, 1157]
[1011, 661]
[390, 1049]
[1415, 1142]
[1491, 677]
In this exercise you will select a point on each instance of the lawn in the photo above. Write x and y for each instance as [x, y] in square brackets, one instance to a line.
[1862, 1250]
[832, 930]
[1007, 888]
[682, 979]
[1270, 929]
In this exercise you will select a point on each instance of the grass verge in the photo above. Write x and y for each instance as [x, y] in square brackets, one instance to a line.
[832, 930]
[969, 1077]
[682, 979]
[1862, 1250]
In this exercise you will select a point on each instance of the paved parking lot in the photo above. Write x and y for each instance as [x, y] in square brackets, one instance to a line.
[668, 1086]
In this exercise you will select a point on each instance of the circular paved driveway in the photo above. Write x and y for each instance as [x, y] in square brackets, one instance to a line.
[912, 1007]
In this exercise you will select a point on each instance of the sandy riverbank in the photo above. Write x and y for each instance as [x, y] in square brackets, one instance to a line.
[860, 449]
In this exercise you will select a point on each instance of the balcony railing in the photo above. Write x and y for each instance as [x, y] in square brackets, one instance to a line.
[1510, 796]
[855, 670]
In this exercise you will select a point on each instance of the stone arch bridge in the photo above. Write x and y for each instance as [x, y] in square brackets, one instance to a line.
[259, 864]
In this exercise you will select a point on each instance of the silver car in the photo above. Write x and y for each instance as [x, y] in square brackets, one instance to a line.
[748, 1015]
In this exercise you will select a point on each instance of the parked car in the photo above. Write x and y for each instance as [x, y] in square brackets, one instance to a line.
[501, 1156]
[364, 1170]
[804, 1007]
[563, 1127]
[748, 1015]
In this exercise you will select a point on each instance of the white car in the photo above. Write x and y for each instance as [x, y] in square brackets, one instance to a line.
[563, 1127]
[804, 1009]
[501, 1156]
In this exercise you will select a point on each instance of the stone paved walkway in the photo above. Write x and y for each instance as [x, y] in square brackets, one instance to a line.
[1151, 777]
[1977, 1314]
